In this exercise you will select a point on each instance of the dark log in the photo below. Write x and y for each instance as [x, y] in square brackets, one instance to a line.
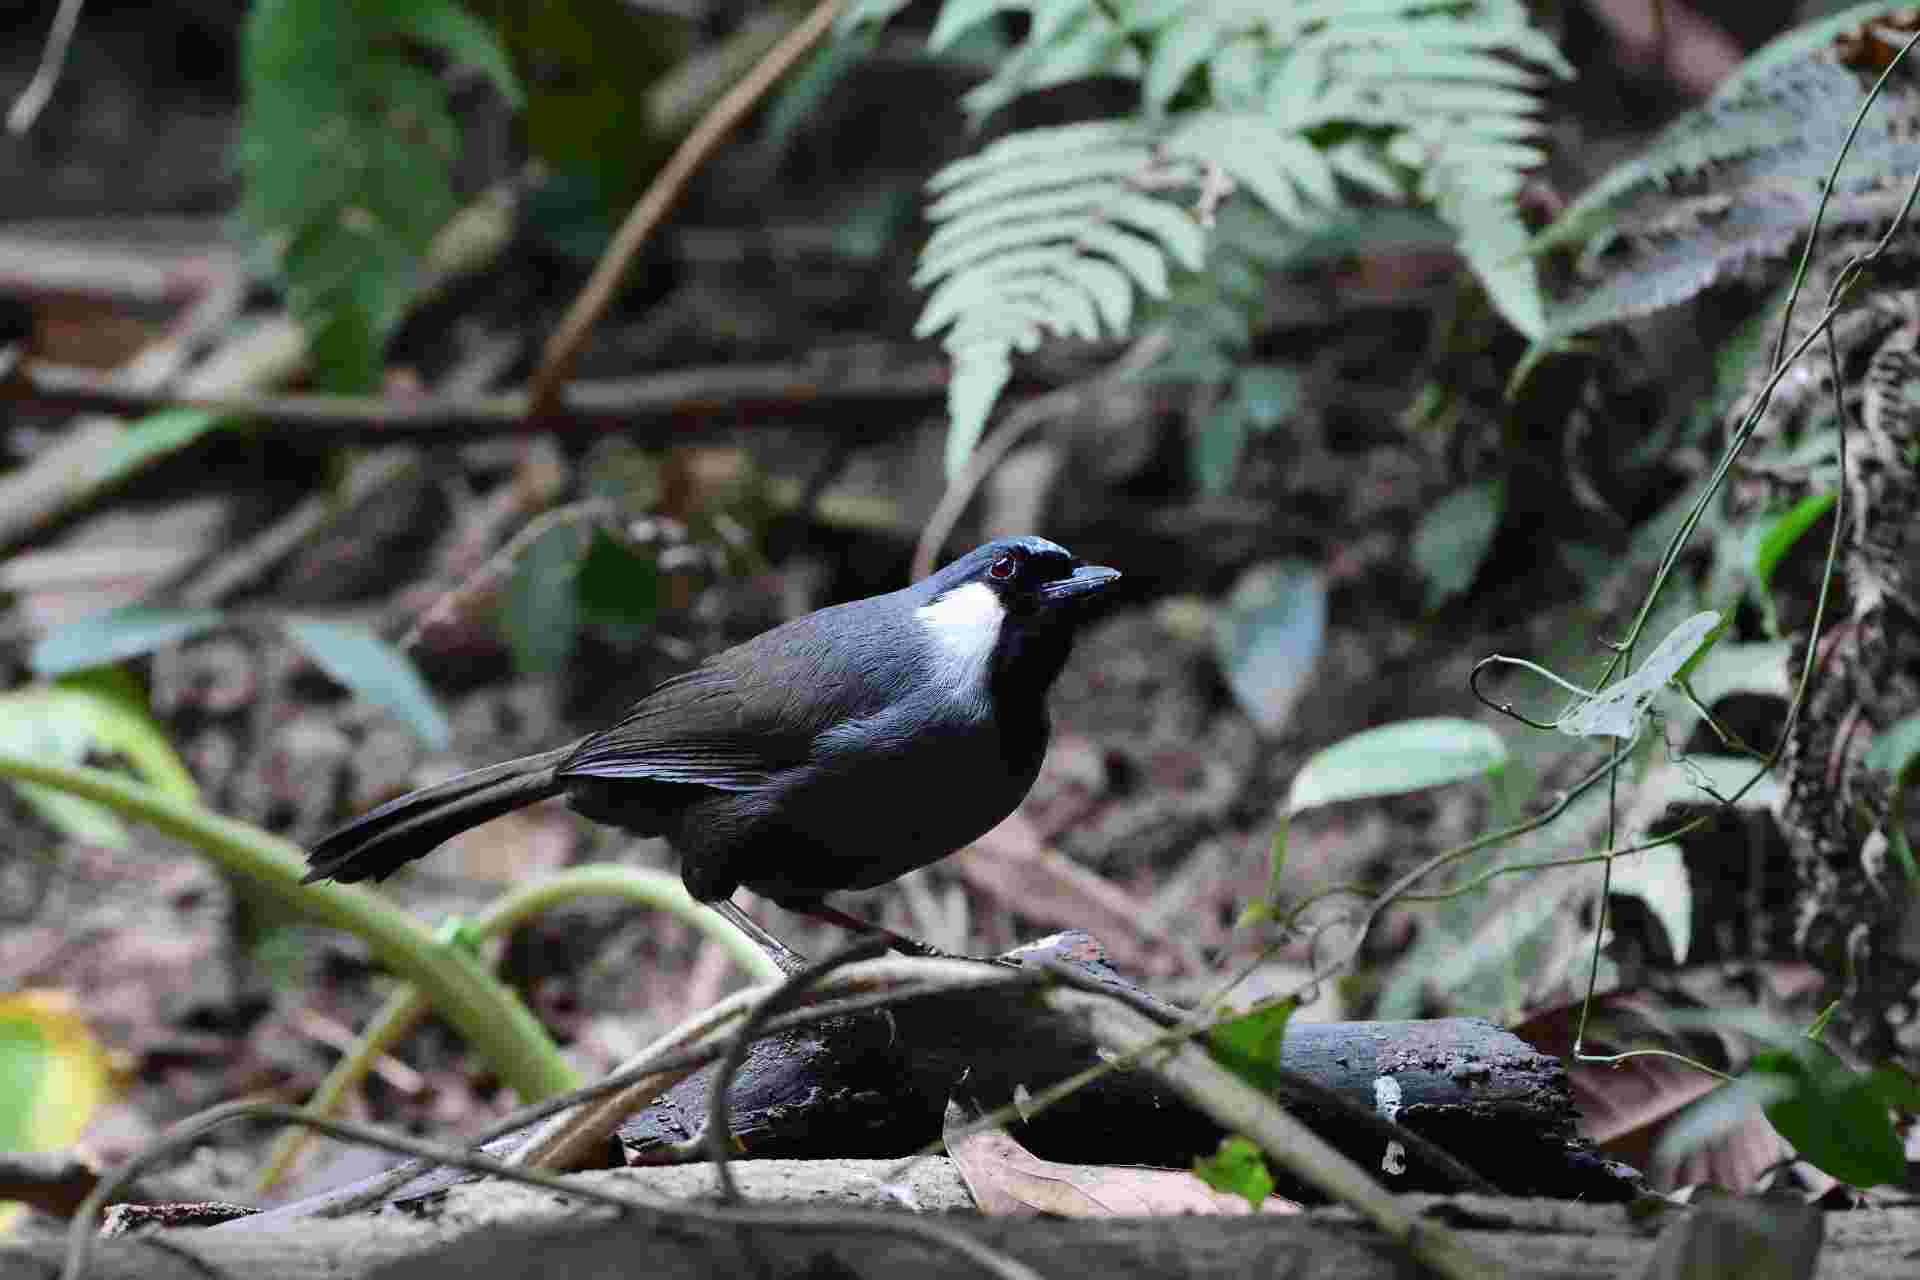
[877, 1086]
[855, 1089]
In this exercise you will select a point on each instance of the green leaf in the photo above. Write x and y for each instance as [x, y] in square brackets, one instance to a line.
[1453, 538]
[374, 671]
[155, 436]
[1237, 1168]
[1177, 52]
[540, 609]
[1215, 452]
[1268, 394]
[346, 145]
[1836, 1118]
[1269, 635]
[118, 634]
[1249, 1045]
[1785, 533]
[1895, 751]
[1895, 748]
[53, 1072]
[99, 712]
[1397, 758]
[615, 584]
[465, 39]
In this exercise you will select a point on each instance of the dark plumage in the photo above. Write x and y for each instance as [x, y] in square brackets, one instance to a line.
[837, 751]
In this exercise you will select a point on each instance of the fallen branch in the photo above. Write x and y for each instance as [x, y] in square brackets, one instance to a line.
[656, 409]
[563, 348]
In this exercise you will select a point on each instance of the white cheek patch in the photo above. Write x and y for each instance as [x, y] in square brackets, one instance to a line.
[964, 625]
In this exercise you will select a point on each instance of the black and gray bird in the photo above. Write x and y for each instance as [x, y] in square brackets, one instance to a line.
[837, 751]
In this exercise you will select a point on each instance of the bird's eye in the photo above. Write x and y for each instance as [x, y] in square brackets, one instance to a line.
[1002, 569]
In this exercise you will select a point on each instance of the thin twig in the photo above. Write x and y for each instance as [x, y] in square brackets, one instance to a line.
[783, 998]
[500, 564]
[53, 57]
[563, 348]
[1013, 428]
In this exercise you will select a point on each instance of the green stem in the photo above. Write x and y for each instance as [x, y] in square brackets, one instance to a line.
[407, 1005]
[493, 1020]
[657, 889]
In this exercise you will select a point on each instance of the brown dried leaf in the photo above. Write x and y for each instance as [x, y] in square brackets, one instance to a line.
[1007, 1180]
[1624, 1109]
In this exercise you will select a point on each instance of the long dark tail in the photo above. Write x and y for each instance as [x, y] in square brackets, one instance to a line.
[378, 843]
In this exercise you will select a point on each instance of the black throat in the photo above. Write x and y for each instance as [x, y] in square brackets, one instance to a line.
[1026, 660]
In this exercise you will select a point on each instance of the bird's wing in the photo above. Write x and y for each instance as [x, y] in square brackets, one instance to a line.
[746, 714]
[689, 730]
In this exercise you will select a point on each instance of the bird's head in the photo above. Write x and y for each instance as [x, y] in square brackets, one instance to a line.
[1006, 611]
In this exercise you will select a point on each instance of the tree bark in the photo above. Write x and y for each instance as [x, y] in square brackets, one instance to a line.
[490, 1231]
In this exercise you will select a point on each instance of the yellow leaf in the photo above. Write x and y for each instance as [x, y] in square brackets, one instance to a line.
[53, 1075]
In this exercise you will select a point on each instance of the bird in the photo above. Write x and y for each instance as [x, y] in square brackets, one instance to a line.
[836, 751]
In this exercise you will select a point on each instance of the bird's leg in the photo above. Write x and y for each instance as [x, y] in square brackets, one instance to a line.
[789, 960]
[906, 946]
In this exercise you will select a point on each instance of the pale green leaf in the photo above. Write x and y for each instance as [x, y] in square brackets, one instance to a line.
[118, 634]
[91, 713]
[1895, 748]
[1215, 451]
[1235, 73]
[957, 17]
[1453, 538]
[1616, 712]
[1028, 208]
[1393, 759]
[978, 284]
[1073, 173]
[1268, 637]
[1177, 51]
[155, 436]
[540, 609]
[1141, 259]
[1268, 393]
[374, 671]
[996, 242]
[1108, 287]
[980, 372]
[1036, 146]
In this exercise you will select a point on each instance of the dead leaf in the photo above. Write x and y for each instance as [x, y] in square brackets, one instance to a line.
[1007, 1180]
[1625, 1108]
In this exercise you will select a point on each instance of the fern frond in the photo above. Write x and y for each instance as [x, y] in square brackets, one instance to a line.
[1737, 182]
[1785, 95]
[1053, 231]
[346, 144]
[1046, 232]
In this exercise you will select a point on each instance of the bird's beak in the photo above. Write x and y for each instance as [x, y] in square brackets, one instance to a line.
[1082, 582]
